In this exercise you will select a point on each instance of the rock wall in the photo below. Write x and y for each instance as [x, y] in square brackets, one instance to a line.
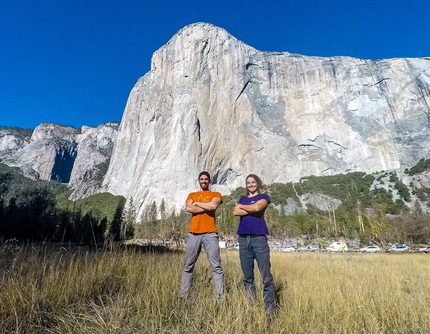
[211, 102]
[61, 153]
[94, 148]
[47, 155]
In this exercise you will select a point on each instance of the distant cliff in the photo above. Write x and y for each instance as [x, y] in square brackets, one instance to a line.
[211, 102]
[61, 153]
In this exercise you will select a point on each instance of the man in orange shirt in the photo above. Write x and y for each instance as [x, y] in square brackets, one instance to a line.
[202, 232]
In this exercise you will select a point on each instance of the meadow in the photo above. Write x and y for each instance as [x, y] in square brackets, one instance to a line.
[66, 289]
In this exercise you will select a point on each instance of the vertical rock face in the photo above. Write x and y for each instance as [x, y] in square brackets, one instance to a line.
[78, 157]
[12, 140]
[48, 155]
[210, 102]
[94, 149]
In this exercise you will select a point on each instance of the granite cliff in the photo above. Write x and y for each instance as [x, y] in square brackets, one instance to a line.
[211, 102]
[61, 153]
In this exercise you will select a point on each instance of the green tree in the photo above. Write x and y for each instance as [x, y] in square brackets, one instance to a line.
[116, 224]
[178, 226]
[128, 221]
[5, 181]
[151, 221]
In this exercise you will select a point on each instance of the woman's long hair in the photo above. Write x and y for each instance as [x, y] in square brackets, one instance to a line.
[258, 180]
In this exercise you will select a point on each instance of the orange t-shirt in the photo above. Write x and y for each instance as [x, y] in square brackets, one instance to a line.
[203, 222]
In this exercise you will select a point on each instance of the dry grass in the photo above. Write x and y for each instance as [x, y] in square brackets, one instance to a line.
[63, 291]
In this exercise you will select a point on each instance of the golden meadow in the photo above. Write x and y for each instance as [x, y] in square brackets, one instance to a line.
[46, 289]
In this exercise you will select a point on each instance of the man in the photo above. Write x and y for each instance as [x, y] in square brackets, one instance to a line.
[202, 232]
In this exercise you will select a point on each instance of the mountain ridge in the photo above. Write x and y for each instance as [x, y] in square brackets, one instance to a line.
[211, 102]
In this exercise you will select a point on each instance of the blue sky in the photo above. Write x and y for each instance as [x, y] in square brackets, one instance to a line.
[75, 62]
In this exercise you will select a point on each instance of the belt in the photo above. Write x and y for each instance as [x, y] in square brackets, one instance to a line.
[201, 233]
[251, 235]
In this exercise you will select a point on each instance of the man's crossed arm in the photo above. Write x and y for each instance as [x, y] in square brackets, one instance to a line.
[200, 207]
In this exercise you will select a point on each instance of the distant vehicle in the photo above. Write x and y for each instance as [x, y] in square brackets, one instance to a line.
[337, 246]
[370, 249]
[288, 249]
[309, 248]
[314, 248]
[398, 248]
[233, 247]
[425, 249]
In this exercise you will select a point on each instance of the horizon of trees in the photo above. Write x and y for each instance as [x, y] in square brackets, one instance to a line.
[40, 211]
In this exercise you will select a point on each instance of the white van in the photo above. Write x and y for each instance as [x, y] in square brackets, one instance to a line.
[338, 246]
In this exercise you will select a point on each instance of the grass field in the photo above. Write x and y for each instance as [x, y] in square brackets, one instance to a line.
[65, 290]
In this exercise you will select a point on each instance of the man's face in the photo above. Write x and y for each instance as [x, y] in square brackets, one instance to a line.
[204, 182]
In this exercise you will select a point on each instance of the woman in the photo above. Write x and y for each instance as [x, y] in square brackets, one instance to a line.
[253, 241]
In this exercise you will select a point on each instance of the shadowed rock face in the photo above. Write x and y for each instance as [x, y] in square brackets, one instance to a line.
[211, 102]
[63, 165]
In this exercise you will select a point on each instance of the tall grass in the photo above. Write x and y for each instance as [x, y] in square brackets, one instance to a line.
[65, 290]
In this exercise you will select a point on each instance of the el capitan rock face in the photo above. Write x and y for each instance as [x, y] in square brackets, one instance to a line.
[211, 102]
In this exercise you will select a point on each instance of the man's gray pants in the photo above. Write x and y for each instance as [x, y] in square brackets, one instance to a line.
[210, 243]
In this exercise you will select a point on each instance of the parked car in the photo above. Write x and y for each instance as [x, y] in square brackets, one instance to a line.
[338, 246]
[288, 249]
[309, 248]
[233, 247]
[370, 249]
[398, 248]
[425, 249]
[314, 248]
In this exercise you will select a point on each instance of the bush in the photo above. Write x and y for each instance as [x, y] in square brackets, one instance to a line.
[421, 166]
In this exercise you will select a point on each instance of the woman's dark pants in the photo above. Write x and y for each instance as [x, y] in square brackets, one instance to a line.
[256, 247]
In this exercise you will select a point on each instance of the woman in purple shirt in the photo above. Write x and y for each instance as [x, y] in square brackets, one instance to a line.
[253, 241]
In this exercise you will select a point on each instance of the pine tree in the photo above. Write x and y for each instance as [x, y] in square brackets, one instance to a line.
[115, 226]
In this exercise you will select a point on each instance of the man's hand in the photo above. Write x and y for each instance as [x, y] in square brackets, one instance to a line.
[190, 207]
[209, 206]
[200, 207]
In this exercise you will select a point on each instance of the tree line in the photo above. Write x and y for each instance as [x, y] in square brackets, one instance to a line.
[40, 211]
[369, 211]
[29, 211]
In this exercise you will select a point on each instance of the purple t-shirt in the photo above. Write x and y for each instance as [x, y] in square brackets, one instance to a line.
[253, 223]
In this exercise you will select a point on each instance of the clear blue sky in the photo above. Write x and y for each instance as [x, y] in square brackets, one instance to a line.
[75, 62]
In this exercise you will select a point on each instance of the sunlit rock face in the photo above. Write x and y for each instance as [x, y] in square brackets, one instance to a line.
[49, 153]
[12, 139]
[94, 149]
[211, 102]
[61, 153]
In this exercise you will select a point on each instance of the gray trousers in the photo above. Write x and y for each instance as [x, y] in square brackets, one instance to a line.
[210, 243]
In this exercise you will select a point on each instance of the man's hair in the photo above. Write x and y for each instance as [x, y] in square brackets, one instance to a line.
[205, 173]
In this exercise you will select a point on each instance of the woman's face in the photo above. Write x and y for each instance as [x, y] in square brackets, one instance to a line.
[251, 185]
